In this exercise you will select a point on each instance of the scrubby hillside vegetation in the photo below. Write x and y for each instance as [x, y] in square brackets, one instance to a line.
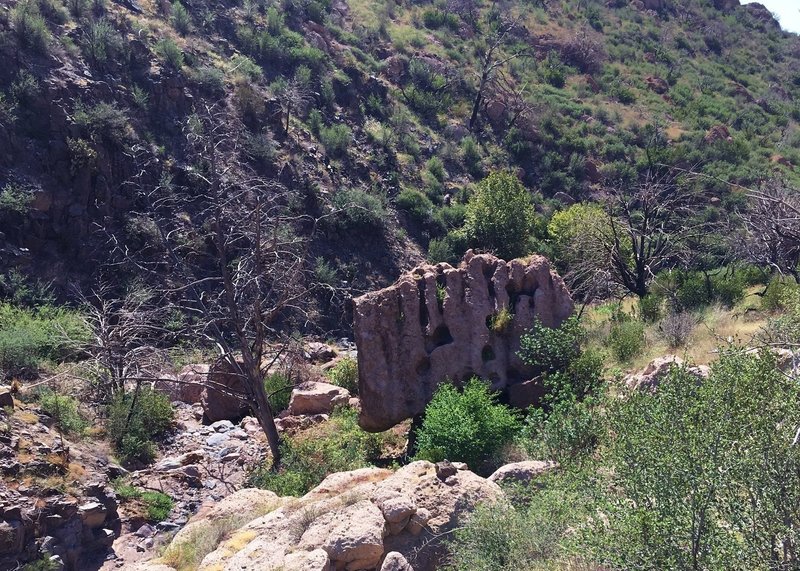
[191, 191]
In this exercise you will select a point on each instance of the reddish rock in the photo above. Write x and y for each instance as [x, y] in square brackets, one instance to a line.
[717, 133]
[657, 84]
[218, 404]
[317, 398]
[410, 337]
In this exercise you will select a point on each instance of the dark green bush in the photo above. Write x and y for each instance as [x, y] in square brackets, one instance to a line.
[551, 349]
[359, 211]
[135, 419]
[651, 307]
[336, 139]
[728, 288]
[181, 19]
[30, 27]
[467, 426]
[777, 289]
[157, 506]
[101, 43]
[104, 123]
[279, 390]
[170, 53]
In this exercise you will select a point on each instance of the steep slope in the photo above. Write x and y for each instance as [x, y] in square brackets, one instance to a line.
[396, 107]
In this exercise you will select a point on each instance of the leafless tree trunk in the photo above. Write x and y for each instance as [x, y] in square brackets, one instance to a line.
[491, 60]
[772, 229]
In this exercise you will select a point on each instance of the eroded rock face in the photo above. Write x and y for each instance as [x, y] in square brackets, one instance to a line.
[440, 322]
[362, 520]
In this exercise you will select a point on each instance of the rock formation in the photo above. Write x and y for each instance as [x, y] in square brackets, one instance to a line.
[361, 520]
[440, 322]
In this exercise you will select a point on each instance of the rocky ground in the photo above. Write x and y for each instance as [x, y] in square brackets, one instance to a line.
[56, 493]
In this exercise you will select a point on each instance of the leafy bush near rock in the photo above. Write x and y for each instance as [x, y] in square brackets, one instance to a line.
[135, 419]
[336, 446]
[345, 374]
[627, 339]
[64, 411]
[466, 426]
[155, 505]
[279, 390]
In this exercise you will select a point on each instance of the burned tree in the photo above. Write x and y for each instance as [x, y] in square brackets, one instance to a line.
[234, 256]
[772, 229]
[491, 59]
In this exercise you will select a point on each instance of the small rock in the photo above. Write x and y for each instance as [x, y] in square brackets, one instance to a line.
[521, 472]
[144, 531]
[222, 426]
[216, 439]
[6, 397]
[445, 469]
[396, 562]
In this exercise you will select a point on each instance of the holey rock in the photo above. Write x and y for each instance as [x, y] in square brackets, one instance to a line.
[440, 322]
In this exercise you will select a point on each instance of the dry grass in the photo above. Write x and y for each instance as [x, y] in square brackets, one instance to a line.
[717, 326]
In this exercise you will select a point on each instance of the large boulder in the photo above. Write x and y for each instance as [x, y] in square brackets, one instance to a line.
[317, 398]
[217, 398]
[657, 370]
[362, 520]
[440, 322]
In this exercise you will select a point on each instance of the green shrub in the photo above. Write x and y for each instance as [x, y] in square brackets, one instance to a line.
[340, 446]
[551, 349]
[651, 307]
[104, 123]
[472, 154]
[500, 216]
[157, 506]
[101, 43]
[169, 51]
[336, 139]
[279, 389]
[627, 340]
[209, 79]
[28, 337]
[134, 419]
[728, 288]
[181, 19]
[64, 411]
[468, 426]
[775, 294]
[345, 374]
[359, 211]
[30, 27]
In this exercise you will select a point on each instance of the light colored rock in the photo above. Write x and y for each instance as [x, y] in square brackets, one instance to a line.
[652, 376]
[395, 561]
[409, 338]
[346, 517]
[93, 514]
[316, 560]
[320, 352]
[317, 398]
[352, 537]
[521, 472]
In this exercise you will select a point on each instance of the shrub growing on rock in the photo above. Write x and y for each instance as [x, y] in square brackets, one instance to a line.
[466, 426]
[500, 216]
[64, 411]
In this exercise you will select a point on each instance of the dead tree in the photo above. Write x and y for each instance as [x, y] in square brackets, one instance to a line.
[492, 59]
[237, 258]
[771, 223]
[294, 97]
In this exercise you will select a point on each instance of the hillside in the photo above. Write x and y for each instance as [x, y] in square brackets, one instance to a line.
[307, 283]
[379, 101]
